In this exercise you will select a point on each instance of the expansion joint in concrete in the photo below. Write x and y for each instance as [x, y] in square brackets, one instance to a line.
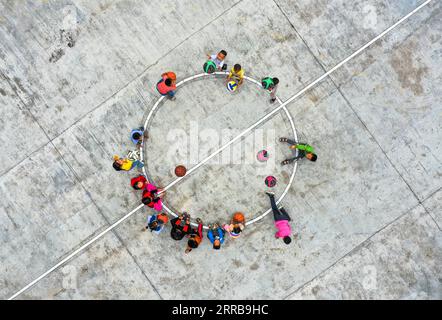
[356, 248]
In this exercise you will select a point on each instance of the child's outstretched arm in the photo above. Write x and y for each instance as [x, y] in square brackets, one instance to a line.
[210, 236]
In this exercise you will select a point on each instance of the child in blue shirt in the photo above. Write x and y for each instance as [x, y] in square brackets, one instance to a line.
[216, 236]
[136, 136]
[156, 222]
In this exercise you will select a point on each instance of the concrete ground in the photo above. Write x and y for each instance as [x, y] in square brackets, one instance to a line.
[76, 76]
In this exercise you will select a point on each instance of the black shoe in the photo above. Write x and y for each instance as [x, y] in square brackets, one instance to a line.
[270, 194]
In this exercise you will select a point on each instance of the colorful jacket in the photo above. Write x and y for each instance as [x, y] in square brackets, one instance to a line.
[284, 229]
[155, 202]
[197, 233]
[140, 178]
[160, 225]
[179, 228]
[303, 147]
[127, 164]
[163, 88]
[213, 234]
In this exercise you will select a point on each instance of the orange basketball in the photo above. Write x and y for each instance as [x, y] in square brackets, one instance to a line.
[180, 171]
[163, 217]
[238, 217]
[171, 75]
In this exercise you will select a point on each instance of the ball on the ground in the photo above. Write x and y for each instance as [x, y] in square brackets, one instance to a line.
[232, 86]
[180, 171]
[262, 156]
[209, 66]
[238, 217]
[270, 181]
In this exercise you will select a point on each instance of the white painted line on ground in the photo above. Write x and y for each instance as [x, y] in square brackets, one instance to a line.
[71, 255]
[90, 242]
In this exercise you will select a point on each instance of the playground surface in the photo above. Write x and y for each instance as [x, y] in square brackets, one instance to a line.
[76, 76]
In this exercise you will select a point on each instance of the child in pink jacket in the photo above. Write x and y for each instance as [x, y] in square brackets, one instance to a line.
[151, 198]
[281, 220]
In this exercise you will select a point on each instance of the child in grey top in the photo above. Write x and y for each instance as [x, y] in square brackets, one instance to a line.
[218, 59]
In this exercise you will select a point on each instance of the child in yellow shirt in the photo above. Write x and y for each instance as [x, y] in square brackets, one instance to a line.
[236, 74]
[127, 163]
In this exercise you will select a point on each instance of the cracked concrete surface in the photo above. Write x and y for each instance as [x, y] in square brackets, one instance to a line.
[76, 76]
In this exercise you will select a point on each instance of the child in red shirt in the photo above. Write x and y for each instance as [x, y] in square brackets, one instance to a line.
[138, 183]
[167, 85]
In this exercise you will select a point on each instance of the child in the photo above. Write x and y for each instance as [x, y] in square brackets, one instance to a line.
[180, 226]
[127, 163]
[270, 84]
[236, 226]
[236, 74]
[281, 220]
[218, 59]
[195, 236]
[167, 85]
[234, 230]
[304, 151]
[136, 136]
[139, 182]
[156, 223]
[151, 198]
[216, 236]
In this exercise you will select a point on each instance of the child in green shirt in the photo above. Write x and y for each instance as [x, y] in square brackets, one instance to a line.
[304, 151]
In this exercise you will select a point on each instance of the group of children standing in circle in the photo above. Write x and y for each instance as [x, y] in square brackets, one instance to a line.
[152, 196]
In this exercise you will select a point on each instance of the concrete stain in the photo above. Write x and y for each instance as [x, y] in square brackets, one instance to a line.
[410, 72]
[56, 55]
[237, 263]
[313, 98]
[254, 266]
[2, 92]
[279, 37]
[68, 37]
[313, 10]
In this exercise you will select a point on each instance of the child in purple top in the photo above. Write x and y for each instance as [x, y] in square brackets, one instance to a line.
[136, 136]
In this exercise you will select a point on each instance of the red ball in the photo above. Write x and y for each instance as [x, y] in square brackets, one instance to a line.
[180, 171]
